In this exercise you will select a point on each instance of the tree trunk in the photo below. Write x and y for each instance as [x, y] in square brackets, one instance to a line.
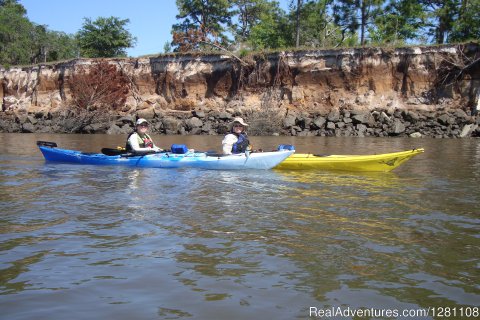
[299, 4]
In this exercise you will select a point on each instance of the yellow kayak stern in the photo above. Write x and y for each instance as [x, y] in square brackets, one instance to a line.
[377, 162]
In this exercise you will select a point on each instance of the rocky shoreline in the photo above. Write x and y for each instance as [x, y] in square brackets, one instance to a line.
[346, 123]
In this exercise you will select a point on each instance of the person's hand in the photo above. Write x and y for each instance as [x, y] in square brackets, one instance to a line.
[157, 149]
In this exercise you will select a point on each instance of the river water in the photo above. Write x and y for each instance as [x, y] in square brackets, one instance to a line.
[97, 242]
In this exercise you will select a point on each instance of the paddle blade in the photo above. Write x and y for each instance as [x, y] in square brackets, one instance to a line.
[46, 144]
[113, 152]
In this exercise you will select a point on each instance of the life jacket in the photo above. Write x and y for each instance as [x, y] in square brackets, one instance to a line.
[143, 142]
[242, 143]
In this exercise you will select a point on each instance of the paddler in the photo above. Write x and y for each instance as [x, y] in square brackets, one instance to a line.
[139, 140]
[236, 141]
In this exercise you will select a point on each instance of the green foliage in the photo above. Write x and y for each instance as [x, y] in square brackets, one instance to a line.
[167, 47]
[273, 30]
[104, 37]
[442, 15]
[205, 18]
[16, 44]
[398, 22]
[24, 42]
[249, 14]
[467, 26]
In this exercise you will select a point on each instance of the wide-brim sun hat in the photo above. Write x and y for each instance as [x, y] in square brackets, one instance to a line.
[140, 121]
[238, 120]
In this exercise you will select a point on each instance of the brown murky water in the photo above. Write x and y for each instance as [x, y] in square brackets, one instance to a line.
[86, 242]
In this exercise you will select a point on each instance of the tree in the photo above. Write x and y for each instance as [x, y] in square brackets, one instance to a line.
[467, 26]
[297, 23]
[96, 90]
[273, 29]
[249, 14]
[25, 42]
[442, 15]
[105, 38]
[206, 19]
[15, 34]
[317, 25]
[352, 15]
[398, 22]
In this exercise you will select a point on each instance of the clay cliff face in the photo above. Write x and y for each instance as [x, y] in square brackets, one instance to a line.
[293, 85]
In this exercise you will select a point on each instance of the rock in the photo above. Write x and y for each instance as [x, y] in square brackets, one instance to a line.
[128, 119]
[194, 123]
[445, 119]
[361, 128]
[171, 125]
[148, 113]
[398, 127]
[199, 114]
[467, 130]
[195, 131]
[384, 118]
[289, 121]
[364, 118]
[28, 127]
[411, 116]
[225, 115]
[334, 115]
[416, 135]
[32, 120]
[97, 127]
[462, 115]
[114, 129]
[331, 125]
[319, 122]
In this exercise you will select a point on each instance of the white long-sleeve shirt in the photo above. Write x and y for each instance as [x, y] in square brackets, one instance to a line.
[228, 142]
[134, 143]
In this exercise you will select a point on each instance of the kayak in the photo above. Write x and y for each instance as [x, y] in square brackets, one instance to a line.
[378, 162]
[190, 159]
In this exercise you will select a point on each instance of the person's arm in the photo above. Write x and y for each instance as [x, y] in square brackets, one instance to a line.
[157, 149]
[228, 142]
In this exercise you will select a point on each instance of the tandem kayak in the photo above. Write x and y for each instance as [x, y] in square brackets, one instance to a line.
[377, 162]
[204, 160]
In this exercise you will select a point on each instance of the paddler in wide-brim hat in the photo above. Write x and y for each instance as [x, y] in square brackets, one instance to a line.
[236, 141]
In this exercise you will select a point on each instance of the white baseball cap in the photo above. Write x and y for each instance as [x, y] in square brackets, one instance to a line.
[140, 121]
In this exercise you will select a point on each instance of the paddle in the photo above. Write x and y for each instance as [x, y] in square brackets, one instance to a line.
[46, 144]
[127, 154]
[113, 152]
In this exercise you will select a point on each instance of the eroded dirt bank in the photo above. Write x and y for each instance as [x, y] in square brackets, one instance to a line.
[430, 91]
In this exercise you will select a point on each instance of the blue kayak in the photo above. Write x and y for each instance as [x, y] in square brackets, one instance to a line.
[254, 160]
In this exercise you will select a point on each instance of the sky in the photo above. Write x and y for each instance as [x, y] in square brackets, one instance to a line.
[150, 20]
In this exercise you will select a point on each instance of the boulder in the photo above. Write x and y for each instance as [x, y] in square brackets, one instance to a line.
[28, 127]
[319, 122]
[397, 127]
[333, 115]
[289, 121]
[171, 125]
[194, 123]
[467, 130]
[148, 113]
[416, 135]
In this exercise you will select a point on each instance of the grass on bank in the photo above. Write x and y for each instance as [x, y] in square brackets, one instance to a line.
[249, 54]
